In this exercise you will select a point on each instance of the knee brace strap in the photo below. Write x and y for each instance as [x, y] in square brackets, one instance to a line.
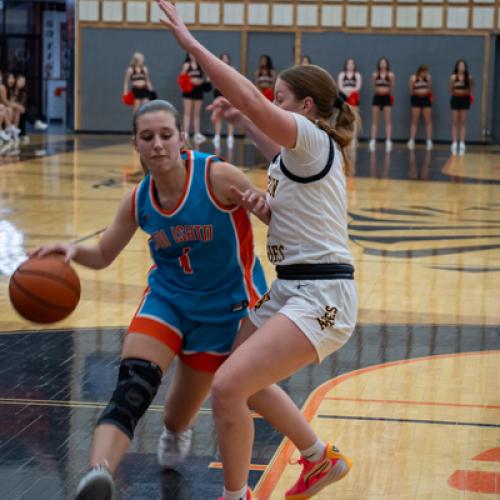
[138, 382]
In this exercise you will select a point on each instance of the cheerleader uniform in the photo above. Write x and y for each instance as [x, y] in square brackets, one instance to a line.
[139, 83]
[382, 100]
[460, 102]
[350, 82]
[197, 93]
[421, 101]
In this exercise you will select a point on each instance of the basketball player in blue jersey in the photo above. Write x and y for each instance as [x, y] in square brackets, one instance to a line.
[310, 310]
[204, 278]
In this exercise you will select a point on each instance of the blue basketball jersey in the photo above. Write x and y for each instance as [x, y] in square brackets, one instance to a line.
[203, 252]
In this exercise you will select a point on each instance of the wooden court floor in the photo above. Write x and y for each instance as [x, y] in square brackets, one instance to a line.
[414, 396]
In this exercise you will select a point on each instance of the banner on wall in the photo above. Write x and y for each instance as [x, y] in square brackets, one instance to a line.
[56, 64]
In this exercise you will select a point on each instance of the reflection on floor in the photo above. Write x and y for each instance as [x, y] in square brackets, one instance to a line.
[425, 234]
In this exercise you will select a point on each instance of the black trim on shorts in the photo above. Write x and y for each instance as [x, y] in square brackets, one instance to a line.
[312, 178]
[421, 101]
[315, 272]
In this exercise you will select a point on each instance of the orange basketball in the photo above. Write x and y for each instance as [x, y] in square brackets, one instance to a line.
[44, 290]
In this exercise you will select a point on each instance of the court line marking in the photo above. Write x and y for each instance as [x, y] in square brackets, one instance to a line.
[407, 402]
[86, 404]
[89, 236]
[276, 467]
[407, 420]
[253, 467]
[71, 404]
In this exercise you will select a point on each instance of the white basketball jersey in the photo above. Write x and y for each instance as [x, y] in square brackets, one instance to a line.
[308, 201]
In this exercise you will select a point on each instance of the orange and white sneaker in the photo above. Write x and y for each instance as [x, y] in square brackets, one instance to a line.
[317, 475]
[248, 497]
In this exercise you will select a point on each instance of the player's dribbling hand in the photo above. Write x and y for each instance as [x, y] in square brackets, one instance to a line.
[253, 202]
[175, 24]
[67, 250]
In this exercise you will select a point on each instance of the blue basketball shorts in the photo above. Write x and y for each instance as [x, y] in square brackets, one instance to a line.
[203, 346]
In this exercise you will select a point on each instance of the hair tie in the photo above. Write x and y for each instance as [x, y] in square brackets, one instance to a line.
[338, 102]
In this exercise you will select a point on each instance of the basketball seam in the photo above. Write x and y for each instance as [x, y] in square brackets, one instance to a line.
[39, 300]
[45, 274]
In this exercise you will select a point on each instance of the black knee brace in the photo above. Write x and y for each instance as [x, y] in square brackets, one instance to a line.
[138, 382]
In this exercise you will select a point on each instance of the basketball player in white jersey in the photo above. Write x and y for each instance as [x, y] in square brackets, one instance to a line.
[310, 310]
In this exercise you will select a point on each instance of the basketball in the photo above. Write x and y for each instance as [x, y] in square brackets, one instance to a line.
[44, 290]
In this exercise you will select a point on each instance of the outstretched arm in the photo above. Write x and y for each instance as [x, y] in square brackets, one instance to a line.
[104, 252]
[222, 108]
[274, 122]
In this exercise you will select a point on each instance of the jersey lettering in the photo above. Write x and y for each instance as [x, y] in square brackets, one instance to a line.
[184, 234]
[272, 186]
[275, 253]
[161, 239]
[184, 261]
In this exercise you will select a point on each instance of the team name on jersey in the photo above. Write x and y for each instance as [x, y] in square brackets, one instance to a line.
[272, 186]
[183, 234]
[275, 253]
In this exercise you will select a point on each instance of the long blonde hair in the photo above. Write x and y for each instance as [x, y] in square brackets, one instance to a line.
[136, 57]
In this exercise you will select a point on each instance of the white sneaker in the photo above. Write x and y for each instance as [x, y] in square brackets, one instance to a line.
[39, 125]
[453, 148]
[230, 141]
[199, 138]
[216, 141]
[25, 139]
[6, 147]
[173, 447]
[411, 144]
[4, 136]
[428, 144]
[388, 145]
[461, 148]
[372, 144]
[96, 484]
[14, 130]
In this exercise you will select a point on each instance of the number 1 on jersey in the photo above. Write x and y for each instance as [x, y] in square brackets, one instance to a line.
[184, 261]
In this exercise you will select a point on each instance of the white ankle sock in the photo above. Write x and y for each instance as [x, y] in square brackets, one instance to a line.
[236, 495]
[314, 452]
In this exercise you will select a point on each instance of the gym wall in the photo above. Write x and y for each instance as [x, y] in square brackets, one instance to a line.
[106, 53]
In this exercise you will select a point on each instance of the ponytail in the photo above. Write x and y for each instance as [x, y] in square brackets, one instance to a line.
[333, 115]
[342, 129]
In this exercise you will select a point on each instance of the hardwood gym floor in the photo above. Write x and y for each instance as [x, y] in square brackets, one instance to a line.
[414, 397]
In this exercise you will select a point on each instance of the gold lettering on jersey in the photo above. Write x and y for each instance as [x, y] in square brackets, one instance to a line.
[272, 185]
[328, 319]
[275, 253]
[265, 298]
